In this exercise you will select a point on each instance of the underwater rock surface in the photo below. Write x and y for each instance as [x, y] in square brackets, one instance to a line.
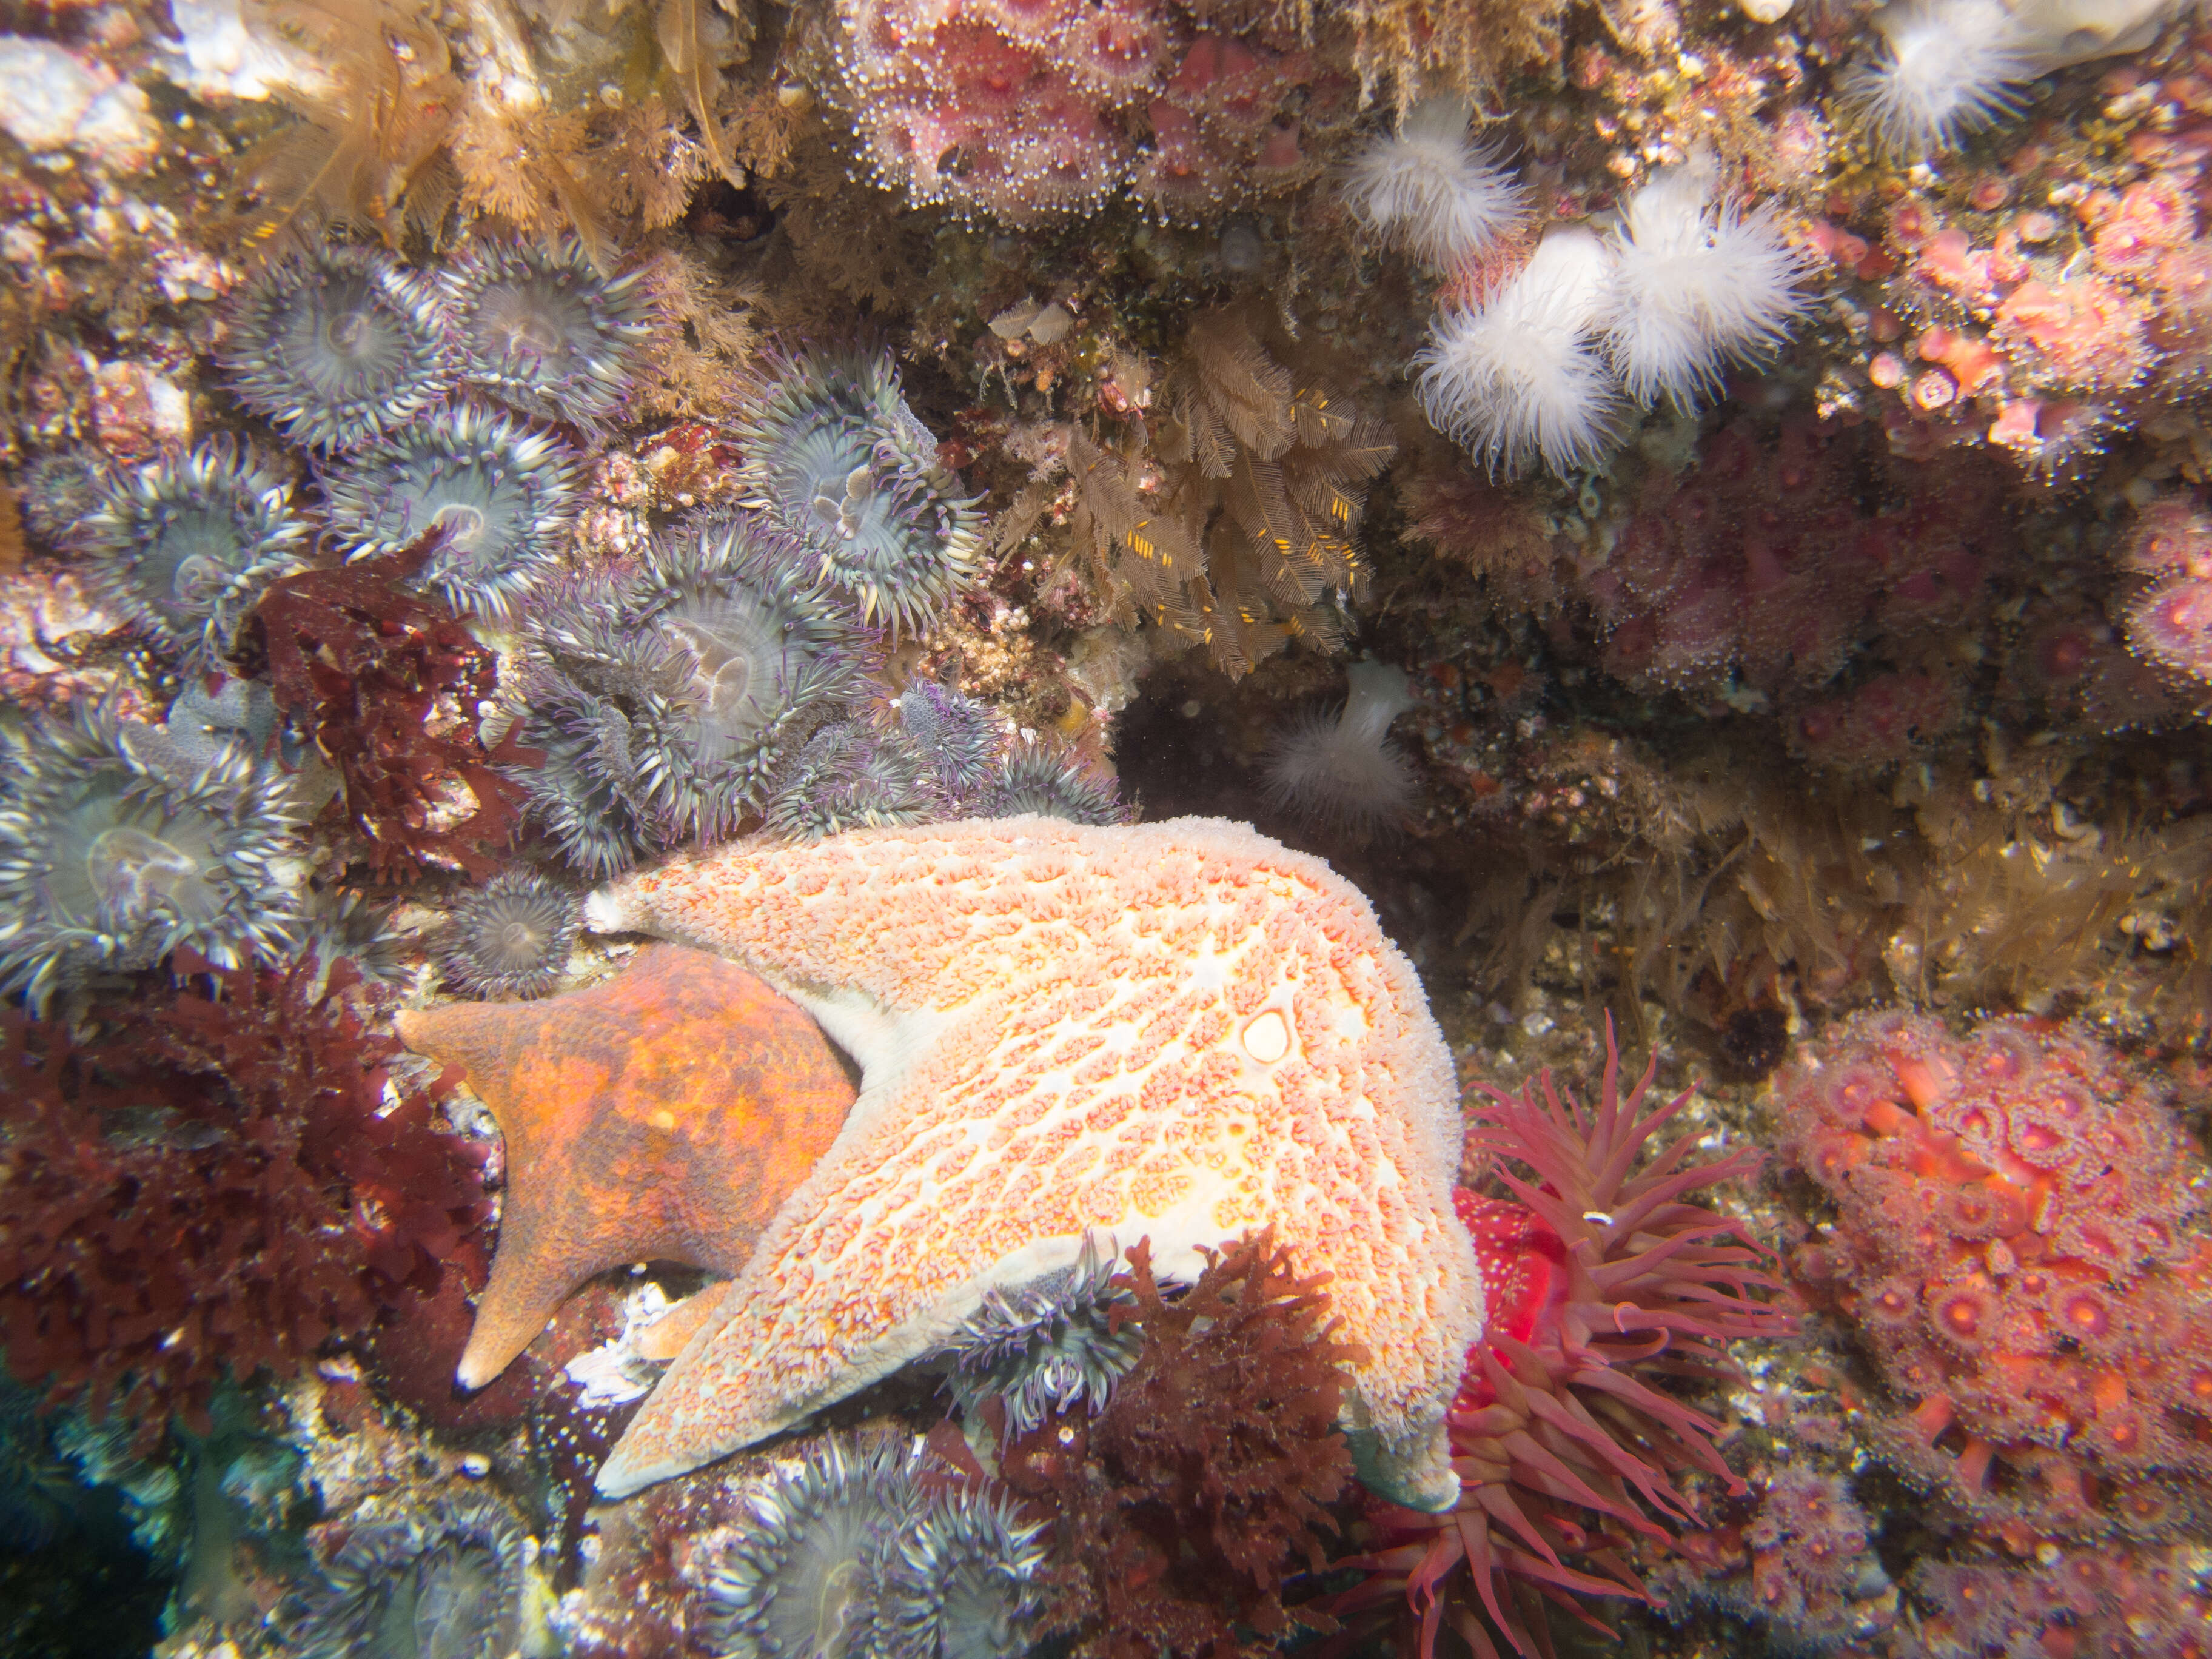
[1668, 549]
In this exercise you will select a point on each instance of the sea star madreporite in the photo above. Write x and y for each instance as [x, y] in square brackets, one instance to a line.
[661, 1114]
[1176, 1031]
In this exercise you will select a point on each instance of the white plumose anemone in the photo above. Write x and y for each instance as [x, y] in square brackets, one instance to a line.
[1945, 68]
[1697, 283]
[1336, 769]
[1431, 190]
[1522, 375]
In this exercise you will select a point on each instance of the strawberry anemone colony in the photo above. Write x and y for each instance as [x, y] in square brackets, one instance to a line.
[1600, 1280]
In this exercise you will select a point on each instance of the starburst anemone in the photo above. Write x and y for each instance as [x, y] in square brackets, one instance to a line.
[185, 546]
[339, 347]
[543, 332]
[764, 661]
[109, 859]
[450, 1580]
[1049, 1346]
[954, 734]
[668, 698]
[806, 1579]
[1035, 779]
[966, 1583]
[511, 937]
[836, 458]
[338, 924]
[588, 791]
[854, 775]
[497, 492]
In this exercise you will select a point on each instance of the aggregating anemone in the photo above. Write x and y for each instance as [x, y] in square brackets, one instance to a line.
[807, 1575]
[954, 734]
[542, 332]
[670, 697]
[836, 459]
[109, 860]
[338, 346]
[511, 937]
[584, 790]
[494, 493]
[864, 1551]
[184, 546]
[854, 775]
[1034, 777]
[966, 1582]
[1058, 1345]
[450, 1580]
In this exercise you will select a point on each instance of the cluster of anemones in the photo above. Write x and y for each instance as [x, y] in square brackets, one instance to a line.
[118, 842]
[732, 674]
[363, 361]
[1684, 284]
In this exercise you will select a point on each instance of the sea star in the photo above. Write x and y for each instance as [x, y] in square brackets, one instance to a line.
[1177, 1032]
[662, 1115]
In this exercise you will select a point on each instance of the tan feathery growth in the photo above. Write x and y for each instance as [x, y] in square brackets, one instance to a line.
[1229, 520]
[1176, 1031]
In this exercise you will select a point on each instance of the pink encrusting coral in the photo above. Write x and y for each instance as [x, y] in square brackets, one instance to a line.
[2167, 610]
[1998, 317]
[2011, 1243]
[1027, 109]
[1762, 567]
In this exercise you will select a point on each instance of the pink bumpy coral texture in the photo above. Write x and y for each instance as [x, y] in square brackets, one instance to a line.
[2011, 1241]
[1025, 109]
[1761, 568]
[2167, 613]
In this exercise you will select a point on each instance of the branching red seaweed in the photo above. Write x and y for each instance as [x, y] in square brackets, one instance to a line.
[1202, 1485]
[220, 1192]
[391, 687]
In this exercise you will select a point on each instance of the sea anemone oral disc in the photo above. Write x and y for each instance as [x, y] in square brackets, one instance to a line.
[186, 545]
[339, 347]
[807, 1578]
[496, 493]
[512, 936]
[447, 1581]
[761, 659]
[837, 461]
[545, 334]
[109, 859]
